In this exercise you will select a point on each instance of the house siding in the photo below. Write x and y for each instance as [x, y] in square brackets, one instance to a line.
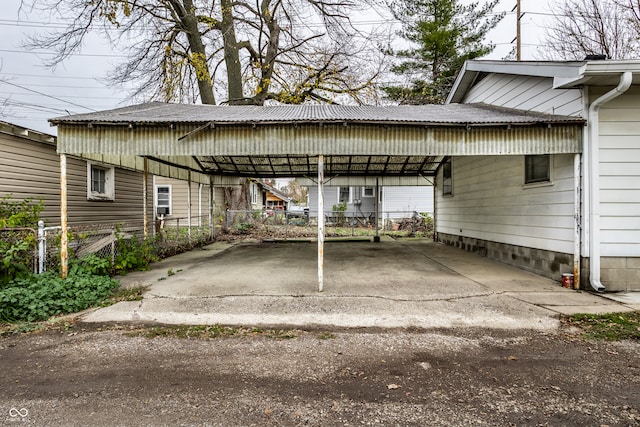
[180, 201]
[490, 203]
[398, 201]
[32, 169]
[530, 93]
[619, 133]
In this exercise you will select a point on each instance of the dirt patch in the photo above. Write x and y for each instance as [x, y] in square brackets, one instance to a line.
[114, 374]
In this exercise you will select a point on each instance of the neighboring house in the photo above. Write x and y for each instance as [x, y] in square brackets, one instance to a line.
[172, 199]
[537, 211]
[265, 196]
[97, 192]
[395, 201]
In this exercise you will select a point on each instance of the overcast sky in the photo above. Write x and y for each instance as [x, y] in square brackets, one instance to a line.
[31, 93]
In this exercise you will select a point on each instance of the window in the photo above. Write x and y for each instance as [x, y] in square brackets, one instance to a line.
[537, 168]
[163, 200]
[253, 190]
[447, 181]
[100, 182]
[367, 192]
[344, 194]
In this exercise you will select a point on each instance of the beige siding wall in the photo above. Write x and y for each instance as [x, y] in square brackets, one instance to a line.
[620, 175]
[491, 203]
[32, 169]
[526, 93]
[200, 196]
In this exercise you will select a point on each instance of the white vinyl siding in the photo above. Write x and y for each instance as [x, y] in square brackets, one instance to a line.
[400, 202]
[491, 203]
[528, 93]
[620, 175]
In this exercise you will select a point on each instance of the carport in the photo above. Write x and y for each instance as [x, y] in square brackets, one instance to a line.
[364, 145]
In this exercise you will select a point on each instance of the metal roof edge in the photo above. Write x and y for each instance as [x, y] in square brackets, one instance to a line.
[24, 132]
[471, 68]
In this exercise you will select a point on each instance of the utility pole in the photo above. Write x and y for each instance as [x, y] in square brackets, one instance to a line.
[518, 38]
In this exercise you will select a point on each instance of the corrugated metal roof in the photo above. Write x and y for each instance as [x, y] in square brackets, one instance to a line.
[444, 115]
[281, 141]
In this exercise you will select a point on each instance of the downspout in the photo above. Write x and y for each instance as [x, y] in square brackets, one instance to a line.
[594, 178]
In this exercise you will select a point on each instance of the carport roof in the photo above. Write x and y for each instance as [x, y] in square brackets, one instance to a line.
[285, 141]
[451, 114]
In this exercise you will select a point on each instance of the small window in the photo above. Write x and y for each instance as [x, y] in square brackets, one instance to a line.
[367, 192]
[344, 194]
[537, 168]
[447, 181]
[254, 193]
[163, 200]
[100, 182]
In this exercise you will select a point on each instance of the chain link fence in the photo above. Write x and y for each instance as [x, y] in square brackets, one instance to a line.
[298, 224]
[39, 249]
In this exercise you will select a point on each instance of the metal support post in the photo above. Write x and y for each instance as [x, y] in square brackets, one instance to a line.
[64, 220]
[145, 208]
[320, 223]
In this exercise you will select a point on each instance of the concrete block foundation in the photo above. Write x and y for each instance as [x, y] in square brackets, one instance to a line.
[618, 274]
[544, 263]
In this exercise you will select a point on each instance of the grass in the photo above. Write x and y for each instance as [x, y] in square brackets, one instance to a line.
[125, 294]
[211, 332]
[608, 327]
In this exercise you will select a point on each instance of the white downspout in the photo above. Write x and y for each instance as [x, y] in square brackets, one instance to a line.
[594, 178]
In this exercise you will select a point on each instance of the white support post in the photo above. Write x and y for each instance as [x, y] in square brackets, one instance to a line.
[577, 216]
[320, 223]
[42, 247]
[211, 206]
[189, 207]
[64, 220]
[145, 190]
[377, 209]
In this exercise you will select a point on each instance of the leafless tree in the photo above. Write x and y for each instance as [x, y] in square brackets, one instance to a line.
[594, 27]
[235, 51]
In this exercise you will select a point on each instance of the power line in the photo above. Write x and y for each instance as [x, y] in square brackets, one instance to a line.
[31, 52]
[47, 95]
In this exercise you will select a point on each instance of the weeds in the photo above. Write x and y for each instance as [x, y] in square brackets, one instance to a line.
[212, 332]
[608, 327]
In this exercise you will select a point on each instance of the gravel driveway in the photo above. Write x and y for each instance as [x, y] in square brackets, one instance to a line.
[118, 375]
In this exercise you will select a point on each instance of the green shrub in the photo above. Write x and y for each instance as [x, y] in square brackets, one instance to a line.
[90, 264]
[244, 227]
[16, 253]
[134, 254]
[39, 297]
[19, 213]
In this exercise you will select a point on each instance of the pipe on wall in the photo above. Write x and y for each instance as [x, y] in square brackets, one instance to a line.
[594, 177]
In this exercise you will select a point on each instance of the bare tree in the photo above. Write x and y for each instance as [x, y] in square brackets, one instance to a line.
[239, 52]
[296, 191]
[594, 27]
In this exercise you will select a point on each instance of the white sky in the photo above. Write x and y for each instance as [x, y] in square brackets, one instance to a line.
[76, 86]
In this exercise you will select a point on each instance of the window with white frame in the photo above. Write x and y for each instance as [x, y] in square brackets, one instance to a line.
[367, 192]
[163, 200]
[254, 190]
[344, 194]
[100, 182]
[537, 168]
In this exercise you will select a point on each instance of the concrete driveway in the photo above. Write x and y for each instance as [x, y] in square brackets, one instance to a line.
[413, 283]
